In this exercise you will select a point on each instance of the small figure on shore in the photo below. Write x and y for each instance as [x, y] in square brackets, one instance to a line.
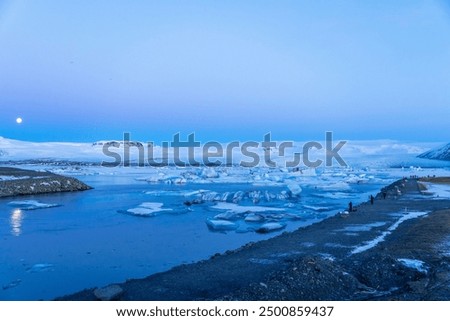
[371, 199]
[350, 207]
[384, 195]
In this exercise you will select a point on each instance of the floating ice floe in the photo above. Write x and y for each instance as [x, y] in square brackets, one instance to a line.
[229, 216]
[12, 284]
[317, 208]
[357, 180]
[295, 189]
[236, 197]
[254, 218]
[245, 209]
[195, 193]
[340, 186]
[270, 227]
[40, 267]
[333, 195]
[414, 264]
[146, 209]
[221, 225]
[164, 193]
[209, 172]
[31, 205]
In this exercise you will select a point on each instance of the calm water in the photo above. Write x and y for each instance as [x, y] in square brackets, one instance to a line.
[86, 242]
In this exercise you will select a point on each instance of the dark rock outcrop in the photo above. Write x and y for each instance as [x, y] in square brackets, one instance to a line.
[28, 182]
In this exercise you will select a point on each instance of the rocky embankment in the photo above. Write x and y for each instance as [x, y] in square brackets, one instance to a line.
[15, 182]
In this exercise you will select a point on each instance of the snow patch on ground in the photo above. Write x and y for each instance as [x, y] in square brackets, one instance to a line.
[414, 264]
[370, 244]
[362, 227]
[438, 190]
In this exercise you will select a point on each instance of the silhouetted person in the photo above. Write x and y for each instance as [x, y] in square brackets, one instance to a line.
[350, 207]
[384, 195]
[371, 199]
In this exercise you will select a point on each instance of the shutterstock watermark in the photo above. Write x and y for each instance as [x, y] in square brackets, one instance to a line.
[191, 152]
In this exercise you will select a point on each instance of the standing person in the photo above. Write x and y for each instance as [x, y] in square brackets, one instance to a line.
[384, 194]
[350, 207]
[371, 199]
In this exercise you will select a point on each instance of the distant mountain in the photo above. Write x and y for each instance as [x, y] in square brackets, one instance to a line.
[441, 153]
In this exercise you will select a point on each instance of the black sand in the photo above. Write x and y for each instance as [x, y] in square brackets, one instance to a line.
[316, 262]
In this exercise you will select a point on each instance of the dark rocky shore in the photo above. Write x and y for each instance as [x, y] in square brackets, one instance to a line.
[28, 182]
[329, 260]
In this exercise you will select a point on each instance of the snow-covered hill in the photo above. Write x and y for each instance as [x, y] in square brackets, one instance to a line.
[441, 153]
[375, 152]
[16, 150]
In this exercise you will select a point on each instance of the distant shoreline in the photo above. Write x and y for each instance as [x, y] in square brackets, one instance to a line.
[395, 249]
[18, 182]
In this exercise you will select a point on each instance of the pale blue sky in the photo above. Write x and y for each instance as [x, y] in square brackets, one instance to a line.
[90, 70]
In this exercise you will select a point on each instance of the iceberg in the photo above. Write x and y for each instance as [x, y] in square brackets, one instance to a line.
[245, 209]
[270, 227]
[146, 209]
[209, 172]
[254, 218]
[317, 208]
[221, 225]
[295, 189]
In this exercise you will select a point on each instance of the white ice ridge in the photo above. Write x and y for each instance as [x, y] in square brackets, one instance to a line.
[370, 244]
[245, 209]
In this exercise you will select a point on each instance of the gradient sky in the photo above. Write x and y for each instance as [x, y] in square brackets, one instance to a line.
[227, 70]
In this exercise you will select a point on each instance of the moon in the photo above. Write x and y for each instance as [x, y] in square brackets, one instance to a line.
[19, 120]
